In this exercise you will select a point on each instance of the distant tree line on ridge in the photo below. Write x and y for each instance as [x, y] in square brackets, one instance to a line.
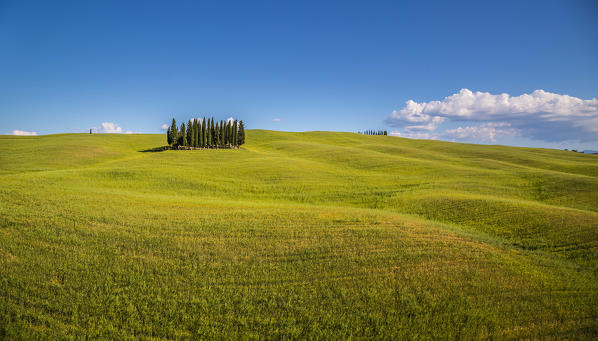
[202, 133]
[373, 132]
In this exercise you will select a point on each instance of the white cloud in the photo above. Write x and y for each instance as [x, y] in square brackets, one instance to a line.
[414, 135]
[276, 120]
[24, 133]
[230, 119]
[485, 132]
[539, 115]
[164, 126]
[110, 128]
[412, 117]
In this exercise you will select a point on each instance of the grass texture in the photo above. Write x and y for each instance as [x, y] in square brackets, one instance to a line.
[315, 235]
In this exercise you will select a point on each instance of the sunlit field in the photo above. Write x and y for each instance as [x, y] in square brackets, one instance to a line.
[314, 235]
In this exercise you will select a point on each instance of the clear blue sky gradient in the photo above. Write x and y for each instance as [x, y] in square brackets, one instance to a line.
[343, 66]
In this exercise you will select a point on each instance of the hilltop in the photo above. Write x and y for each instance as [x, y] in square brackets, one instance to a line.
[297, 235]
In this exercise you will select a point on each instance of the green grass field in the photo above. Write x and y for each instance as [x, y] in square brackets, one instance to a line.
[314, 235]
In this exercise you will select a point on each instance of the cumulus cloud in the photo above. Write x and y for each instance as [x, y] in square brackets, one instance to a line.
[414, 135]
[539, 115]
[485, 132]
[24, 133]
[164, 126]
[276, 120]
[110, 128]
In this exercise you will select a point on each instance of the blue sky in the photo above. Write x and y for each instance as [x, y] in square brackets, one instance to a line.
[343, 66]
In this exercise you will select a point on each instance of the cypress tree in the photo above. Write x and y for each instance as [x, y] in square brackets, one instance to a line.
[168, 136]
[207, 133]
[219, 133]
[203, 132]
[235, 134]
[210, 133]
[213, 132]
[199, 138]
[223, 132]
[174, 134]
[197, 133]
[182, 136]
[192, 133]
[231, 133]
[227, 133]
[241, 133]
[189, 135]
[216, 135]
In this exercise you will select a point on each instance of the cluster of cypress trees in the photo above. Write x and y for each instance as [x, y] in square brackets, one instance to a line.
[373, 132]
[202, 133]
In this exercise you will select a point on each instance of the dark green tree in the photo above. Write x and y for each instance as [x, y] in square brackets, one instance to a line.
[209, 132]
[212, 132]
[219, 133]
[168, 136]
[235, 134]
[189, 134]
[223, 133]
[174, 133]
[203, 132]
[227, 133]
[199, 133]
[182, 136]
[241, 133]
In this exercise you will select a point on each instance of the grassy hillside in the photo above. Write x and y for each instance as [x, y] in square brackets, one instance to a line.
[298, 235]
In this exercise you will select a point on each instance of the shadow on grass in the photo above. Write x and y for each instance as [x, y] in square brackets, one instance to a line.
[154, 150]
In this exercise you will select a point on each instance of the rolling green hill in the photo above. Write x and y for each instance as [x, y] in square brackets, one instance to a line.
[298, 235]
